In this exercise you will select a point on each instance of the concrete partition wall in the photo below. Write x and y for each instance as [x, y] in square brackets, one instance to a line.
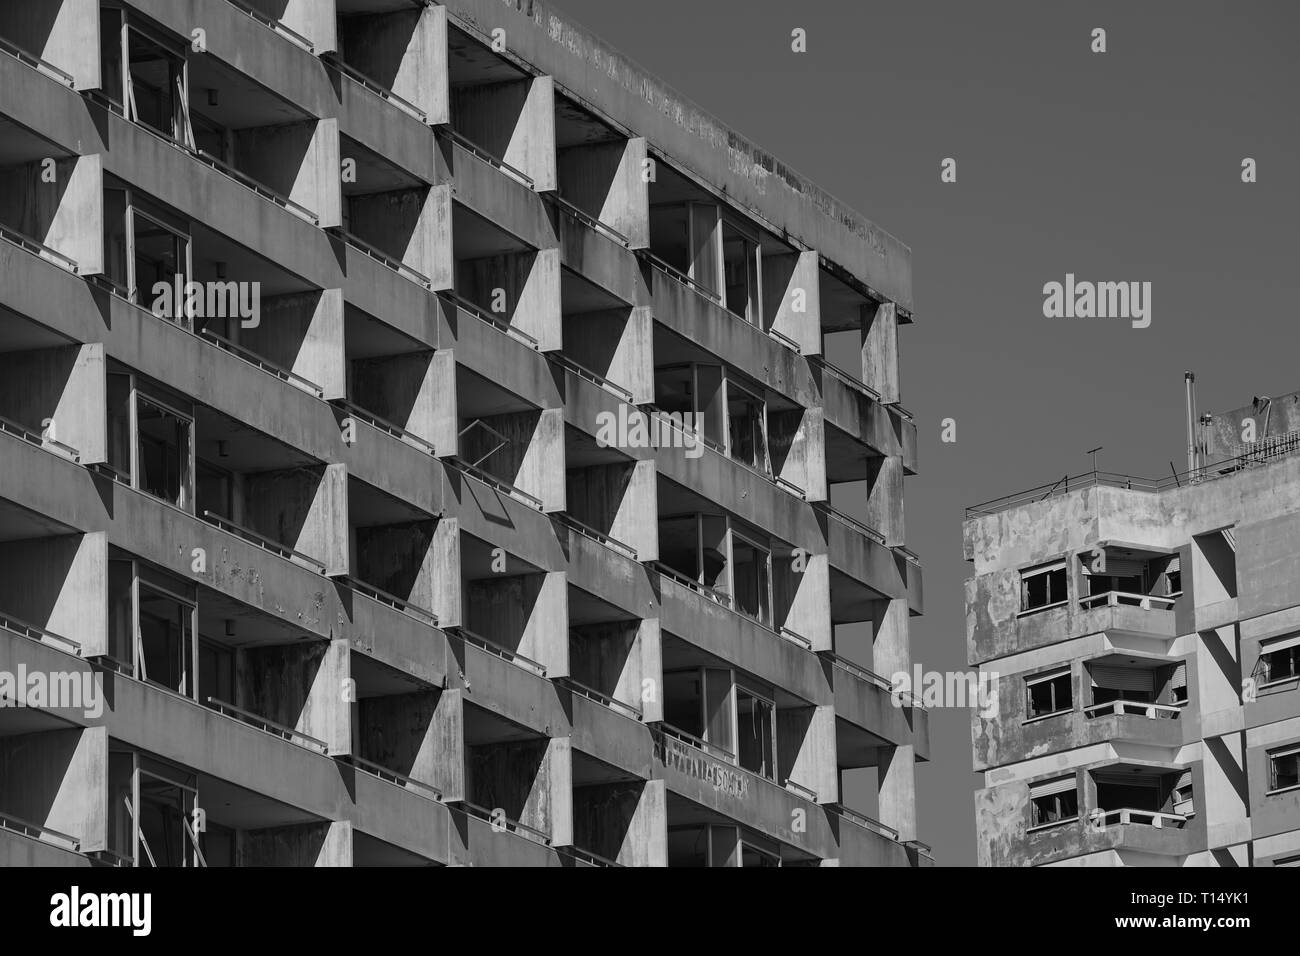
[444, 555]
[327, 843]
[404, 51]
[59, 584]
[59, 394]
[400, 559]
[306, 509]
[447, 731]
[891, 651]
[792, 299]
[606, 181]
[530, 781]
[299, 686]
[399, 731]
[408, 390]
[617, 344]
[528, 613]
[529, 285]
[533, 458]
[297, 160]
[312, 19]
[806, 595]
[515, 122]
[409, 225]
[66, 214]
[885, 498]
[620, 500]
[303, 333]
[797, 444]
[880, 349]
[1222, 790]
[891, 654]
[63, 33]
[58, 779]
[806, 750]
[621, 659]
[626, 822]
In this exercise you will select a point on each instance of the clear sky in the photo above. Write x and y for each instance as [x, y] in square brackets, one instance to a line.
[1122, 166]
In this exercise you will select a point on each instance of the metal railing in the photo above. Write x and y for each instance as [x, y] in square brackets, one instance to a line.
[39, 634]
[784, 340]
[589, 858]
[800, 790]
[384, 259]
[10, 427]
[269, 726]
[713, 750]
[908, 555]
[857, 670]
[37, 248]
[478, 312]
[627, 710]
[678, 275]
[35, 62]
[263, 542]
[598, 536]
[506, 824]
[592, 222]
[292, 35]
[785, 484]
[595, 378]
[795, 637]
[492, 481]
[832, 512]
[864, 821]
[846, 377]
[378, 89]
[697, 586]
[421, 614]
[1134, 708]
[383, 425]
[492, 647]
[38, 832]
[1115, 598]
[492, 160]
[247, 181]
[898, 407]
[255, 360]
[391, 776]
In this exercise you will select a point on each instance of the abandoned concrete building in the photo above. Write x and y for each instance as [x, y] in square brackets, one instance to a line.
[312, 551]
[1145, 637]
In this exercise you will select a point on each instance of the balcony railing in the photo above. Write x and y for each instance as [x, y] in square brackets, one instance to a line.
[291, 35]
[384, 259]
[35, 62]
[379, 90]
[505, 328]
[1133, 708]
[627, 710]
[698, 587]
[383, 425]
[38, 832]
[255, 360]
[713, 750]
[588, 858]
[588, 220]
[10, 427]
[39, 634]
[850, 522]
[587, 531]
[494, 161]
[37, 248]
[1147, 602]
[1128, 815]
[423, 615]
[297, 208]
[400, 780]
[263, 542]
[857, 670]
[594, 377]
[864, 821]
[269, 726]
[677, 275]
[493, 481]
[717, 449]
[846, 377]
[492, 647]
[507, 825]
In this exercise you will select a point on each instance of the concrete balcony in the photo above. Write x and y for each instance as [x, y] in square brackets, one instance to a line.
[599, 257]
[499, 197]
[1147, 617]
[855, 409]
[505, 844]
[22, 844]
[866, 842]
[612, 733]
[508, 684]
[863, 700]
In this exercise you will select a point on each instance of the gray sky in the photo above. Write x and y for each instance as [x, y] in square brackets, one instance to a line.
[1122, 166]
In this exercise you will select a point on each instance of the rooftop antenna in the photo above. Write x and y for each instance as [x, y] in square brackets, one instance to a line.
[1189, 379]
[1093, 453]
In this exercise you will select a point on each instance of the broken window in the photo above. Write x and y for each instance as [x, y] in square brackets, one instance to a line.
[164, 452]
[756, 726]
[159, 256]
[1048, 694]
[151, 812]
[740, 268]
[165, 631]
[747, 426]
[752, 570]
[1053, 801]
[1279, 659]
[1042, 586]
[1284, 768]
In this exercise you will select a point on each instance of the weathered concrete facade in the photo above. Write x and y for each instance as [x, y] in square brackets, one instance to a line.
[1145, 639]
[474, 507]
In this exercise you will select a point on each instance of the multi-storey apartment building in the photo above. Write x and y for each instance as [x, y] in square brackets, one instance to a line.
[336, 545]
[1145, 640]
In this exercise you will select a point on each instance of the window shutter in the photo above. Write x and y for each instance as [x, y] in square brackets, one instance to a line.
[1122, 678]
[1122, 568]
[1049, 787]
[1180, 677]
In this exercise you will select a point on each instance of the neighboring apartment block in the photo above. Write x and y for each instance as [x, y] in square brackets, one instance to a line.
[334, 339]
[1146, 641]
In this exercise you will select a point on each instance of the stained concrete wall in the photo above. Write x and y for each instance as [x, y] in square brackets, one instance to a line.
[299, 686]
[619, 500]
[792, 299]
[797, 446]
[514, 121]
[616, 344]
[302, 333]
[313, 19]
[399, 559]
[64, 33]
[404, 51]
[527, 613]
[328, 843]
[530, 283]
[300, 161]
[880, 349]
[606, 181]
[58, 779]
[67, 214]
[398, 731]
[532, 460]
[529, 780]
[305, 508]
[59, 584]
[806, 750]
[624, 822]
[58, 393]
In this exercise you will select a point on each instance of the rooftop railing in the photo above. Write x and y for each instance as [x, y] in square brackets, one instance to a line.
[269, 726]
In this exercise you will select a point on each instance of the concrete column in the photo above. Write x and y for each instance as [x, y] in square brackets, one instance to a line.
[880, 349]
[444, 429]
[897, 772]
[447, 733]
[792, 299]
[302, 333]
[405, 51]
[891, 649]
[797, 445]
[514, 121]
[605, 180]
[806, 748]
[615, 343]
[63, 33]
[558, 768]
[885, 498]
[636, 512]
[809, 613]
[60, 584]
[444, 557]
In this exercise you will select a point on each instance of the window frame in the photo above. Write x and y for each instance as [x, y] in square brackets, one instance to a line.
[1051, 567]
[1049, 676]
